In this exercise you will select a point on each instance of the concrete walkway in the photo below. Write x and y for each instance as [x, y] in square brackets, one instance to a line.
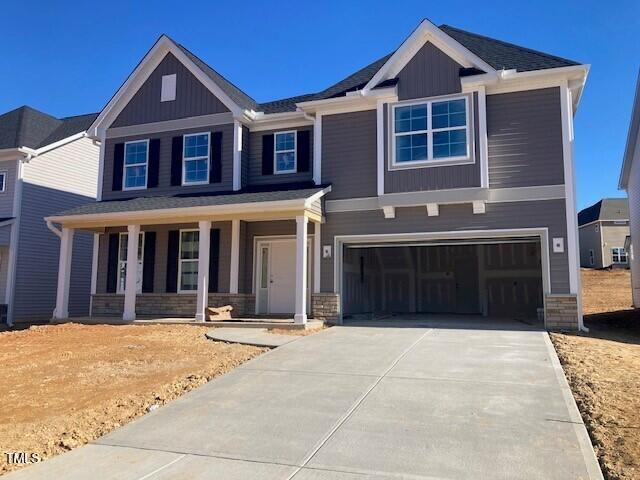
[439, 399]
[258, 337]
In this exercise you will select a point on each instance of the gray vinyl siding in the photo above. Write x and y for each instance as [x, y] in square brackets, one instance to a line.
[433, 178]
[547, 213]
[38, 253]
[349, 157]
[4, 272]
[5, 235]
[7, 197]
[164, 179]
[590, 240]
[192, 97]
[162, 239]
[524, 132]
[428, 74]
[255, 160]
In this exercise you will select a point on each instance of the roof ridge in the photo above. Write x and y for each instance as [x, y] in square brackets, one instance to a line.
[509, 44]
[79, 115]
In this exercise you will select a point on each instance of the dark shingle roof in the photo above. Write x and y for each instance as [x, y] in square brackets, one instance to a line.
[28, 127]
[505, 55]
[185, 201]
[605, 209]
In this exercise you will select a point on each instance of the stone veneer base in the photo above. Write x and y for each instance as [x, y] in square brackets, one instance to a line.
[561, 312]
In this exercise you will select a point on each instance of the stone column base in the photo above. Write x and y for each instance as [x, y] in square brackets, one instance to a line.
[561, 312]
[326, 307]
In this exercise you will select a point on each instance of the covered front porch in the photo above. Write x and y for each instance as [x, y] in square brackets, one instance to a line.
[256, 251]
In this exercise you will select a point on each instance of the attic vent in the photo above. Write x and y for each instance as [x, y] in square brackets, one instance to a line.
[168, 92]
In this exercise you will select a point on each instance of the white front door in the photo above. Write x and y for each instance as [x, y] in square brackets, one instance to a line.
[276, 276]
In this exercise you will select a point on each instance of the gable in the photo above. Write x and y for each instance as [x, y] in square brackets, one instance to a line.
[429, 73]
[192, 97]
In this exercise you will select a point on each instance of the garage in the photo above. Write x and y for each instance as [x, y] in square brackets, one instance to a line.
[497, 278]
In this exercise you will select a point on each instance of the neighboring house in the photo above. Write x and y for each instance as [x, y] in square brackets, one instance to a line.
[630, 181]
[46, 164]
[603, 228]
[438, 178]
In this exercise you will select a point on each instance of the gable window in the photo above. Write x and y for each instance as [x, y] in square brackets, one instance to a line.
[285, 152]
[136, 160]
[3, 182]
[195, 159]
[430, 132]
[168, 90]
[618, 255]
[122, 262]
[188, 261]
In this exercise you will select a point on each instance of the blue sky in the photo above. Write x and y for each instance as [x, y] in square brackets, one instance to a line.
[70, 57]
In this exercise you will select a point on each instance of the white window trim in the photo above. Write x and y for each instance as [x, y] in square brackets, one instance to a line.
[180, 260]
[4, 173]
[125, 166]
[620, 253]
[276, 151]
[141, 246]
[469, 158]
[184, 160]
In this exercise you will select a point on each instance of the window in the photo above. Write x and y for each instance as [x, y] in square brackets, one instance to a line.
[592, 260]
[430, 132]
[122, 262]
[3, 182]
[285, 152]
[188, 261]
[619, 255]
[195, 159]
[136, 157]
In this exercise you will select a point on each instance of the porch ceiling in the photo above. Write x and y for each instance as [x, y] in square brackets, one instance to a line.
[267, 205]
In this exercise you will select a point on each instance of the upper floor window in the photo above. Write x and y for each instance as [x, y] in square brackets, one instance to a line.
[285, 152]
[136, 160]
[619, 255]
[3, 182]
[430, 131]
[195, 159]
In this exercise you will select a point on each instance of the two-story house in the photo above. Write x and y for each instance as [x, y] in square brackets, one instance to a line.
[46, 164]
[437, 179]
[603, 230]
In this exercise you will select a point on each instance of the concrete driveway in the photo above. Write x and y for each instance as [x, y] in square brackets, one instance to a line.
[437, 398]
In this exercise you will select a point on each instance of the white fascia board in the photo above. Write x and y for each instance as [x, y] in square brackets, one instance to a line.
[632, 147]
[59, 143]
[308, 201]
[274, 121]
[426, 32]
[141, 73]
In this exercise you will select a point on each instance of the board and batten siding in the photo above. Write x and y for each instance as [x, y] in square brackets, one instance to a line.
[164, 177]
[524, 133]
[255, 176]
[54, 181]
[192, 97]
[162, 241]
[460, 217]
[349, 157]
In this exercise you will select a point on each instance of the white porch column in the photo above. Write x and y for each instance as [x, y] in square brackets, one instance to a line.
[317, 256]
[301, 269]
[235, 256]
[202, 301]
[131, 277]
[64, 274]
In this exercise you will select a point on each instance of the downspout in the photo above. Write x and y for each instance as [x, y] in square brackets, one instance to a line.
[54, 229]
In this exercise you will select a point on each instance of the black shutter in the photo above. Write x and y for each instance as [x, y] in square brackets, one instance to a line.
[267, 154]
[214, 259]
[172, 261]
[176, 161]
[154, 163]
[215, 172]
[112, 266]
[149, 262]
[304, 150]
[118, 166]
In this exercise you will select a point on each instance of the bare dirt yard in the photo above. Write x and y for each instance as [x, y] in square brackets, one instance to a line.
[603, 369]
[65, 385]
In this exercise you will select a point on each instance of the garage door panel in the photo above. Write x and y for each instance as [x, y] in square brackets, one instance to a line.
[514, 297]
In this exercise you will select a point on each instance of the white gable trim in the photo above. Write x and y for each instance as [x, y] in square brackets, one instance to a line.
[426, 32]
[141, 73]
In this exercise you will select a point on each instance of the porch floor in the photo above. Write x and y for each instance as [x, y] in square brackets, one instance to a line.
[257, 322]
